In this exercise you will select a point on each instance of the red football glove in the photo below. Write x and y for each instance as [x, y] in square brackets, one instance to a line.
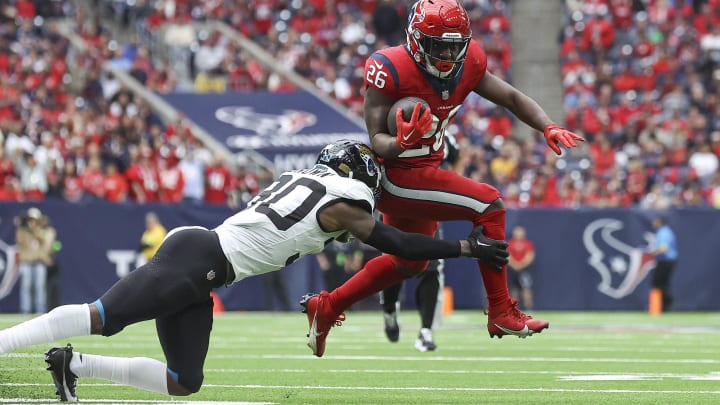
[410, 133]
[555, 134]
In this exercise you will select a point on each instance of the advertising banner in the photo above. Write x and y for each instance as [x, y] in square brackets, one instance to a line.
[287, 128]
[585, 259]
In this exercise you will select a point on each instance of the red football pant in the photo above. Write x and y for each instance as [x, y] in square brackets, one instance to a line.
[415, 200]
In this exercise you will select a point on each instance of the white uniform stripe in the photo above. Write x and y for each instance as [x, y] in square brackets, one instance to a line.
[443, 197]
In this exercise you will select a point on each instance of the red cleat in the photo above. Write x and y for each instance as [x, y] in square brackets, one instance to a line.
[320, 318]
[512, 321]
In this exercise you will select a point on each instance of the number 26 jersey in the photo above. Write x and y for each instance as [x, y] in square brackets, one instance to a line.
[280, 225]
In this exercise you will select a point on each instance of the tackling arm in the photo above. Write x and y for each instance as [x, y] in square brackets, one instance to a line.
[411, 246]
[387, 239]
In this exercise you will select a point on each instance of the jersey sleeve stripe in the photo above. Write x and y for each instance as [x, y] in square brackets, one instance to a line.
[390, 67]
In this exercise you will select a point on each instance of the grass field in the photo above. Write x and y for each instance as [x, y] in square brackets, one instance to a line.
[588, 358]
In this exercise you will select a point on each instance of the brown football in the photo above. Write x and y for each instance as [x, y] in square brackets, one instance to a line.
[407, 104]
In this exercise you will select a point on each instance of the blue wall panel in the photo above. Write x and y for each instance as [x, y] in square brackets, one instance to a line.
[585, 258]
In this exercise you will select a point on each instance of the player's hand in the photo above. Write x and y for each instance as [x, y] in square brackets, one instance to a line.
[409, 133]
[555, 134]
[489, 251]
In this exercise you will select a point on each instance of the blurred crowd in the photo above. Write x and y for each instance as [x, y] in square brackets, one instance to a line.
[71, 130]
[642, 83]
[640, 80]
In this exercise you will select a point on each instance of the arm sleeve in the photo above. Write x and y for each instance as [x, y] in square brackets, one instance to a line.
[411, 246]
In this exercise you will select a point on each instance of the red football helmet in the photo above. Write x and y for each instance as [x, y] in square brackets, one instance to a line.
[438, 35]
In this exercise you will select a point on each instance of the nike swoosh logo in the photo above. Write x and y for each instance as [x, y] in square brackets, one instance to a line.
[379, 65]
[482, 244]
[406, 137]
[522, 332]
[313, 334]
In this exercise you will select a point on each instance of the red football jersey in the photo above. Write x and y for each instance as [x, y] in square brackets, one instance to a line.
[116, 187]
[171, 184]
[393, 72]
[217, 184]
[93, 182]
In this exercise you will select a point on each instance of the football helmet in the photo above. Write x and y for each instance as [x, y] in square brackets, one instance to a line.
[438, 35]
[353, 160]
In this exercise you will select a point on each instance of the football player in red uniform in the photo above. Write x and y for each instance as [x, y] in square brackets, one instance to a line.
[441, 64]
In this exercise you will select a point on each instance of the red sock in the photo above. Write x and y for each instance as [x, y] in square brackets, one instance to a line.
[378, 274]
[495, 282]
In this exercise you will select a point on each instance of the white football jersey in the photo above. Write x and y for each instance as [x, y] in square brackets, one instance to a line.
[280, 225]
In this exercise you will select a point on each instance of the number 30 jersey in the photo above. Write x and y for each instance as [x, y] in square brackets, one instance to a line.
[280, 225]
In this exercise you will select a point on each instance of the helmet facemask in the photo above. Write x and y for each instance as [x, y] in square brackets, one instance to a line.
[441, 56]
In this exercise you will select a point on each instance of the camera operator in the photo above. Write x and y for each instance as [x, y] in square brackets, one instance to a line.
[34, 254]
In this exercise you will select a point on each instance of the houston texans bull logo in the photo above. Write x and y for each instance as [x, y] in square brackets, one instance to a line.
[287, 123]
[621, 266]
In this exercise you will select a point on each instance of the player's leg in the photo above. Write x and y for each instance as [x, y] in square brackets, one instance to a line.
[661, 280]
[426, 298]
[383, 271]
[326, 309]
[189, 264]
[39, 287]
[513, 277]
[389, 300]
[185, 339]
[443, 195]
[525, 280]
[25, 270]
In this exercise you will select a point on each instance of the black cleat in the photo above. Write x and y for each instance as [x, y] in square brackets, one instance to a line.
[392, 328]
[58, 360]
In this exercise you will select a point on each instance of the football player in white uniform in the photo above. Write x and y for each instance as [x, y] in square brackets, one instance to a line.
[295, 216]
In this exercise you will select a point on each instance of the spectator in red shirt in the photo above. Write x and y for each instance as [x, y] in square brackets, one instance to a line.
[115, 184]
[602, 155]
[636, 180]
[7, 169]
[93, 179]
[522, 256]
[499, 124]
[11, 191]
[143, 178]
[217, 182]
[599, 33]
[72, 189]
[496, 20]
[172, 181]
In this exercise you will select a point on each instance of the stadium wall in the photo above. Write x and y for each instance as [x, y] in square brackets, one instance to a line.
[587, 259]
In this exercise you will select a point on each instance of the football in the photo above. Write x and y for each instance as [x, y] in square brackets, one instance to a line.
[407, 104]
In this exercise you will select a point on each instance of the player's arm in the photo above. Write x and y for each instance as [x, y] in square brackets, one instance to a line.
[376, 108]
[528, 110]
[412, 246]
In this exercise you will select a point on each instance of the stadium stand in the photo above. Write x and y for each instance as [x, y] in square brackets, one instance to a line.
[640, 81]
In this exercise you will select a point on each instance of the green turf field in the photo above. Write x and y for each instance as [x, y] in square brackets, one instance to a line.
[588, 358]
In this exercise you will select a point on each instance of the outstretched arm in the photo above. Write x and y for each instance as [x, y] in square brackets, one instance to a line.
[411, 246]
[528, 110]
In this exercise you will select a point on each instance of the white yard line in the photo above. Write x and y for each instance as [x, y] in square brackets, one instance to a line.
[429, 389]
[565, 374]
[469, 359]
